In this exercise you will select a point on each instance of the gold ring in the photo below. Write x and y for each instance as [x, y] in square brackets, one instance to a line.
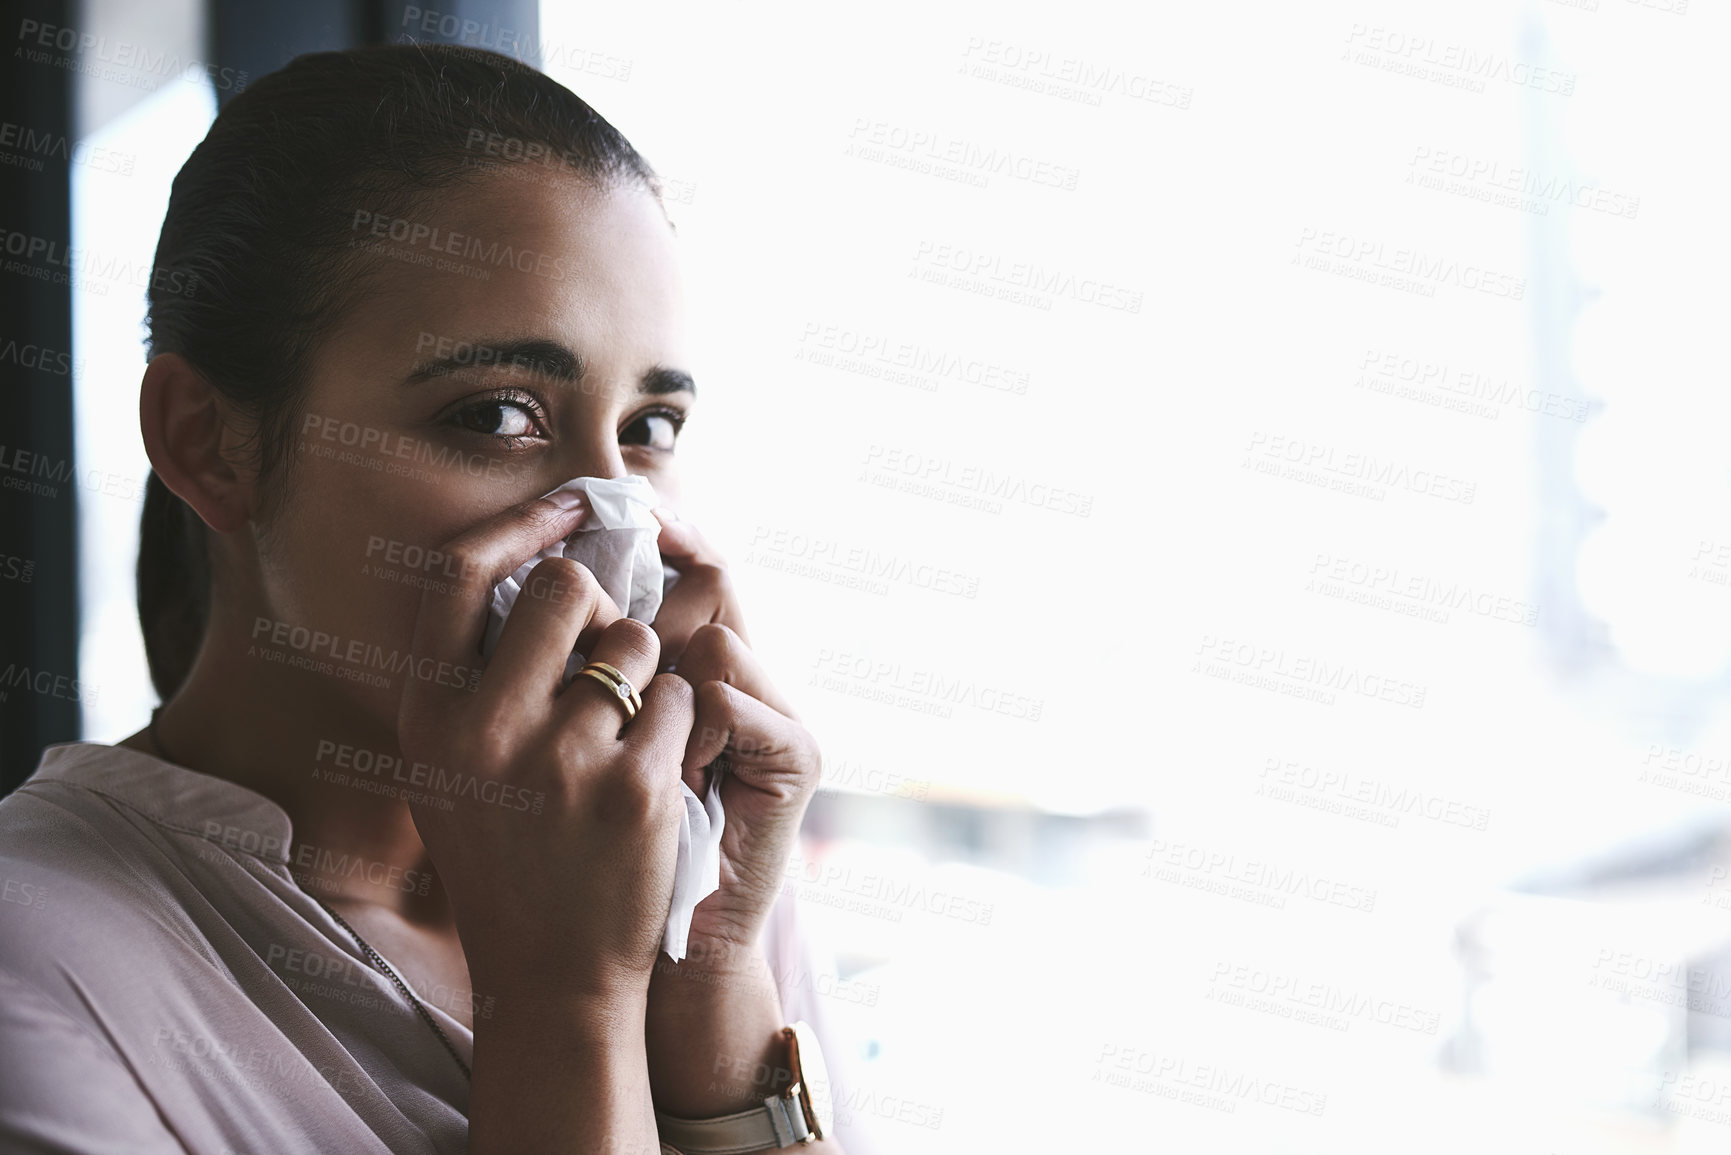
[618, 686]
[628, 691]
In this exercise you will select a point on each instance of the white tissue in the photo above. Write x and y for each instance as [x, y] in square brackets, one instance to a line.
[616, 542]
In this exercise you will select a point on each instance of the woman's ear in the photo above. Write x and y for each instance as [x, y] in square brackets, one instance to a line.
[186, 430]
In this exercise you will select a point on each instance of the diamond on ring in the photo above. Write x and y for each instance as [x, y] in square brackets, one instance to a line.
[617, 683]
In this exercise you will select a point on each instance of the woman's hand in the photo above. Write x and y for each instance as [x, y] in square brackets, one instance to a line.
[773, 763]
[559, 847]
[721, 1000]
[703, 595]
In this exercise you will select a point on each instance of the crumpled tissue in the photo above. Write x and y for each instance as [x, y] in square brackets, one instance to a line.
[616, 542]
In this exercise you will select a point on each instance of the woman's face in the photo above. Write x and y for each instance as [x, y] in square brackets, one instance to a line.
[515, 335]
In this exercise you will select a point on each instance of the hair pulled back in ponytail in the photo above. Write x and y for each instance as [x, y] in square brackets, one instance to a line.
[254, 261]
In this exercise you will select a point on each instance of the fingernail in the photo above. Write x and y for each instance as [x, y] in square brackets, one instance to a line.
[665, 514]
[565, 498]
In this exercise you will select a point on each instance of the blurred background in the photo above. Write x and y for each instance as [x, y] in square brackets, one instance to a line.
[1240, 494]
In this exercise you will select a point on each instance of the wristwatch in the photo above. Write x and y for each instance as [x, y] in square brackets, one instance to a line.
[801, 1114]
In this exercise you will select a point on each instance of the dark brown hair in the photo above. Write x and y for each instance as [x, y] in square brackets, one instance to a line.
[254, 261]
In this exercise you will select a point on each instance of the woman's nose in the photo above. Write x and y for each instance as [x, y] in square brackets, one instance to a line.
[591, 457]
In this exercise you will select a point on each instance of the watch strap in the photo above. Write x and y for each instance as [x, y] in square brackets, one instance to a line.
[778, 1122]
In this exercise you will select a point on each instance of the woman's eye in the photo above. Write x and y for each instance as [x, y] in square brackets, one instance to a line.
[498, 418]
[654, 430]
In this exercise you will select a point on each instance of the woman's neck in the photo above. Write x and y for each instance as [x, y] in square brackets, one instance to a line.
[316, 750]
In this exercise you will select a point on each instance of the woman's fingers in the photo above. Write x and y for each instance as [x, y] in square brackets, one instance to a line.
[681, 544]
[773, 769]
[661, 731]
[717, 653]
[561, 607]
[591, 711]
[665, 717]
[585, 883]
[453, 614]
[766, 749]
[702, 596]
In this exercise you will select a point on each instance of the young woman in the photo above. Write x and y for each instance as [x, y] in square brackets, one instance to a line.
[355, 889]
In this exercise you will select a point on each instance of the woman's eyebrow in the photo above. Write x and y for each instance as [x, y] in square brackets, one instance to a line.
[661, 380]
[537, 354]
[540, 355]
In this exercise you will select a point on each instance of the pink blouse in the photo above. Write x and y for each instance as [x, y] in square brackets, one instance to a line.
[166, 987]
